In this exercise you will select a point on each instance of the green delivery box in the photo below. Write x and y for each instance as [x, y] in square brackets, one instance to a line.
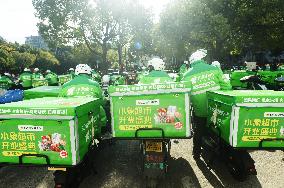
[248, 118]
[62, 79]
[237, 75]
[53, 131]
[42, 91]
[39, 82]
[155, 111]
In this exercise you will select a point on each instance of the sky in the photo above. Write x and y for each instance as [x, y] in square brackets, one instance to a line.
[17, 19]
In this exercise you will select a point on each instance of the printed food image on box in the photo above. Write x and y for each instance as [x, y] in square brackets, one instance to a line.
[168, 115]
[53, 142]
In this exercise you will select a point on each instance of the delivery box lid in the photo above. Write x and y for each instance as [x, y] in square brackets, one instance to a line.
[256, 98]
[146, 89]
[43, 91]
[49, 106]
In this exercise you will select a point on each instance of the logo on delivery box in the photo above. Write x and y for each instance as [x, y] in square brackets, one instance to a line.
[274, 114]
[30, 128]
[148, 102]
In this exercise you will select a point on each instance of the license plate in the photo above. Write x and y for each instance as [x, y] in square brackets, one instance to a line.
[54, 169]
[153, 146]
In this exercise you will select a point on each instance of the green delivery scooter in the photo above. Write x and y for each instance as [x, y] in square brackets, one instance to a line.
[239, 121]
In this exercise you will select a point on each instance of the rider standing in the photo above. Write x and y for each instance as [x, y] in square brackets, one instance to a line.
[51, 78]
[203, 77]
[26, 78]
[83, 85]
[156, 74]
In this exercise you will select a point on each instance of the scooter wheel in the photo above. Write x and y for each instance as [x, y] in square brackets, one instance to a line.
[151, 183]
[238, 171]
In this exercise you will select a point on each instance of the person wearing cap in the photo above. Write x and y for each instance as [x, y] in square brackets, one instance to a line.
[202, 77]
[26, 78]
[6, 81]
[51, 77]
[83, 85]
[156, 74]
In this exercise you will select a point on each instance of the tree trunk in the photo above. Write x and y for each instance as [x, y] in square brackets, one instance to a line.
[119, 51]
[104, 65]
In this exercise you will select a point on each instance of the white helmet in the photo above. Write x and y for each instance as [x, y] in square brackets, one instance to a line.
[71, 69]
[36, 69]
[7, 74]
[185, 62]
[157, 63]
[106, 79]
[198, 55]
[83, 69]
[27, 70]
[48, 71]
[216, 64]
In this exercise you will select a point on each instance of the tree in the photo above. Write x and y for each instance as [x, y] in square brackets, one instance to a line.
[23, 60]
[99, 24]
[6, 59]
[223, 27]
[45, 60]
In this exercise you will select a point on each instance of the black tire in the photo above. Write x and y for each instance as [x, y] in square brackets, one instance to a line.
[60, 179]
[237, 167]
[151, 182]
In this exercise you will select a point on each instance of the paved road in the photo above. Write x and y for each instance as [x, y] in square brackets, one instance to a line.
[118, 166]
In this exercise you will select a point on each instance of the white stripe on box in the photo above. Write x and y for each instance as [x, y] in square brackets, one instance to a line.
[187, 112]
[236, 126]
[261, 104]
[205, 90]
[72, 141]
[162, 91]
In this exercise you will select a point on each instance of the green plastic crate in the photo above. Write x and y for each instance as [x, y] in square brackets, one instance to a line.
[62, 79]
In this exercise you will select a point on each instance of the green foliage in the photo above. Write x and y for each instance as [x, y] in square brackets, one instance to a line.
[100, 25]
[23, 60]
[223, 27]
[112, 56]
[15, 57]
[45, 60]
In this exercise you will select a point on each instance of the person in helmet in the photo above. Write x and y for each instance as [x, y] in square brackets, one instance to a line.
[156, 74]
[82, 79]
[38, 79]
[183, 69]
[71, 71]
[202, 77]
[83, 85]
[6, 81]
[51, 77]
[216, 64]
[26, 78]
[37, 74]
[96, 76]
